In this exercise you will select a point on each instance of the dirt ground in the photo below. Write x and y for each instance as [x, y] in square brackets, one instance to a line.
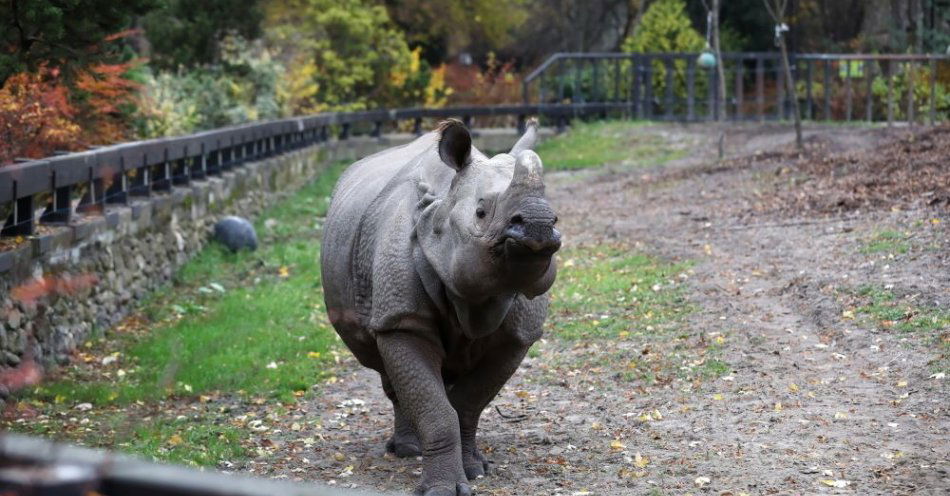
[816, 400]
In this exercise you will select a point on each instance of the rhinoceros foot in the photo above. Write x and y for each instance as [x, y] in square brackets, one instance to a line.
[460, 489]
[475, 464]
[404, 445]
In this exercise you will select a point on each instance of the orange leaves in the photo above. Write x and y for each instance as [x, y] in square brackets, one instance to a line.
[40, 113]
[35, 117]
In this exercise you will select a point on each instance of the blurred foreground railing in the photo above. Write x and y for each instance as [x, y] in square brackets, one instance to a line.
[33, 466]
[672, 87]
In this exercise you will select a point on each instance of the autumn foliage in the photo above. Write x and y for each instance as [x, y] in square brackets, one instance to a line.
[35, 117]
[40, 113]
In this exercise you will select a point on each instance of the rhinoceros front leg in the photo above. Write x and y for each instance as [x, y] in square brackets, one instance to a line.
[414, 366]
[404, 441]
[473, 392]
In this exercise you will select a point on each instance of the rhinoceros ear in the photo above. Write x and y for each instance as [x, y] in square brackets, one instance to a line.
[455, 144]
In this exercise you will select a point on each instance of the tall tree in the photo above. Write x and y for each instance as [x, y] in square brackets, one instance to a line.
[445, 28]
[66, 35]
[187, 33]
[776, 10]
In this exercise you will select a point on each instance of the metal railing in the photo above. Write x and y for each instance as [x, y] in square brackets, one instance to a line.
[671, 86]
[34, 466]
[52, 190]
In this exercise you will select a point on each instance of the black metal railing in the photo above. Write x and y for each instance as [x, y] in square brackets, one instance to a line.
[35, 466]
[52, 190]
[672, 86]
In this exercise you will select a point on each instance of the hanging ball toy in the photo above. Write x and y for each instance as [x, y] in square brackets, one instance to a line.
[707, 59]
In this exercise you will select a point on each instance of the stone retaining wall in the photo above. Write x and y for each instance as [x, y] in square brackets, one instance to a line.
[68, 282]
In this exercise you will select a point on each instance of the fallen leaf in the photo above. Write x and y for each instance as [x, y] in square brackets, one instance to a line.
[793, 387]
[717, 396]
[616, 445]
[640, 461]
[313, 354]
[283, 271]
[835, 482]
[175, 440]
[702, 481]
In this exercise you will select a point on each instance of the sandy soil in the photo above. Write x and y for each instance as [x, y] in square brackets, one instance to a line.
[815, 402]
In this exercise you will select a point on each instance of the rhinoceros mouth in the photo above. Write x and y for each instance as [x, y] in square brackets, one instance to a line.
[519, 245]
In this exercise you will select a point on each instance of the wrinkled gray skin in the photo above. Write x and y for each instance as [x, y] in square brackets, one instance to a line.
[436, 260]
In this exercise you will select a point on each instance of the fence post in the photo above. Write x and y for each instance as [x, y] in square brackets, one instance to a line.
[577, 85]
[890, 92]
[740, 90]
[809, 105]
[760, 85]
[21, 222]
[869, 80]
[668, 94]
[60, 209]
[933, 91]
[910, 93]
[847, 83]
[690, 89]
[616, 80]
[648, 88]
[780, 90]
[635, 88]
[827, 103]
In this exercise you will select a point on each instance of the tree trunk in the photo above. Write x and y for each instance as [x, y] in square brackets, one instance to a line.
[790, 91]
[720, 70]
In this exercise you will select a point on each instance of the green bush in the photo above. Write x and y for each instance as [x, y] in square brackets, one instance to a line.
[241, 88]
[666, 28]
[921, 93]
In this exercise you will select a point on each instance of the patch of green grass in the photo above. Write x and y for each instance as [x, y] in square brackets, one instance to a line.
[887, 311]
[181, 441]
[252, 322]
[597, 143]
[606, 290]
[890, 312]
[886, 242]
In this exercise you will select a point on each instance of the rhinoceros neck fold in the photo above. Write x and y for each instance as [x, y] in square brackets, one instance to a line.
[477, 320]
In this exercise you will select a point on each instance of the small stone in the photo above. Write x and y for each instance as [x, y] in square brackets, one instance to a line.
[236, 233]
[11, 359]
[13, 318]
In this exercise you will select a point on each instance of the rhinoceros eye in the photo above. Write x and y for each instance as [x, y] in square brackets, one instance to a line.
[480, 212]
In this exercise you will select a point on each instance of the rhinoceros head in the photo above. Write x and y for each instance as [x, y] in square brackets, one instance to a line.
[493, 232]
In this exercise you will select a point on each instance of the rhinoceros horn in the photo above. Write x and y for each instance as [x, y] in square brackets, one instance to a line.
[528, 139]
[527, 175]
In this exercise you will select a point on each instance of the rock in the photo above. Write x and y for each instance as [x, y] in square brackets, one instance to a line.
[11, 359]
[236, 233]
[13, 318]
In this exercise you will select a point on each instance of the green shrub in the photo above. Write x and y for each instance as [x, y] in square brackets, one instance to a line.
[666, 28]
[921, 93]
[241, 88]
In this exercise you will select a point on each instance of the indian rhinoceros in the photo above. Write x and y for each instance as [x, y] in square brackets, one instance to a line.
[436, 262]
